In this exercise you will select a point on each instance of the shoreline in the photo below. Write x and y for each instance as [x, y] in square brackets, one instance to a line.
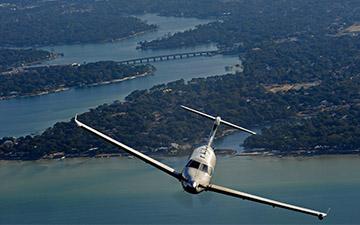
[61, 89]
[17, 69]
[131, 35]
[108, 40]
[120, 79]
[298, 153]
[219, 155]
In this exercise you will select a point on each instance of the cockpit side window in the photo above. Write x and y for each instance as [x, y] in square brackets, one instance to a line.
[193, 164]
[204, 168]
[210, 171]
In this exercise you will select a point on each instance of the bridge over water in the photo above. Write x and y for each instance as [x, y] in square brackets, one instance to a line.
[144, 59]
[170, 57]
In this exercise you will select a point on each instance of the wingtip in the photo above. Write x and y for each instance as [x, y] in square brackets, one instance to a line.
[252, 132]
[321, 216]
[248, 131]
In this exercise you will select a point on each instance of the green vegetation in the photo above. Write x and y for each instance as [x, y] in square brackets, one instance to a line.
[243, 25]
[10, 58]
[327, 133]
[41, 80]
[239, 24]
[327, 121]
[42, 23]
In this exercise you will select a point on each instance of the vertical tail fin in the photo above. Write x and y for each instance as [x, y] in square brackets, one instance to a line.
[213, 131]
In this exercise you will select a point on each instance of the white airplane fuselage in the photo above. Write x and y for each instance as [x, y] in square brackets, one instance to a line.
[199, 169]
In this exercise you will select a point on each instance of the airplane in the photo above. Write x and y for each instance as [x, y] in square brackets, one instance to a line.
[196, 175]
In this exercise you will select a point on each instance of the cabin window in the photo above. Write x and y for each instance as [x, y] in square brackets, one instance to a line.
[193, 164]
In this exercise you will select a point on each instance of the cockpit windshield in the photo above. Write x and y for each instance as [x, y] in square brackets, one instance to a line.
[193, 164]
[199, 166]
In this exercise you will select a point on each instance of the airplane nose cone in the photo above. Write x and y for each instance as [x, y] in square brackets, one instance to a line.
[191, 184]
[191, 187]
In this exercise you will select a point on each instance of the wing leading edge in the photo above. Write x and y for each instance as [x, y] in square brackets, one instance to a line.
[143, 157]
[250, 197]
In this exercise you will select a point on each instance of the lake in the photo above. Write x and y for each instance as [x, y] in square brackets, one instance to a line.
[32, 115]
[122, 190]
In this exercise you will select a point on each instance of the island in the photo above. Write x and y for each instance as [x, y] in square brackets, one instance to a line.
[47, 79]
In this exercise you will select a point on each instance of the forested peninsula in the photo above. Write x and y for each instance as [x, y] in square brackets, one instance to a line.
[46, 79]
[13, 58]
[306, 52]
[152, 121]
[243, 25]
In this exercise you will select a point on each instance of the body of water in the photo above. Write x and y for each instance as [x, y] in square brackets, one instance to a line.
[121, 190]
[31, 115]
[126, 49]
[234, 141]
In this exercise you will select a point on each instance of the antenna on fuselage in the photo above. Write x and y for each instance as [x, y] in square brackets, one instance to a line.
[217, 122]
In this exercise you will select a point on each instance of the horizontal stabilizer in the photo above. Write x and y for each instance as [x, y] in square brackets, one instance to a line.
[215, 118]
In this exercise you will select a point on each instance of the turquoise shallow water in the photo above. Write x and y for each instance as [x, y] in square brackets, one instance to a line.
[121, 190]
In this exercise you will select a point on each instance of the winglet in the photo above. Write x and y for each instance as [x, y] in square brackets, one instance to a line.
[328, 211]
[323, 215]
[77, 121]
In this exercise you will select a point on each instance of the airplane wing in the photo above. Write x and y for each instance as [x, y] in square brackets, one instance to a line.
[143, 157]
[250, 197]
